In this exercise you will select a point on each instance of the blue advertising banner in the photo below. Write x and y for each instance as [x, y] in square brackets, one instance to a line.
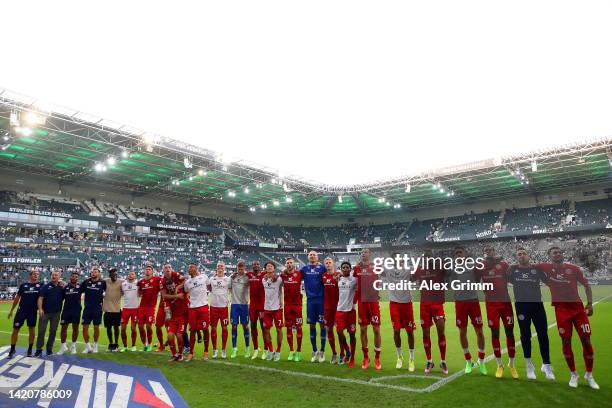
[73, 381]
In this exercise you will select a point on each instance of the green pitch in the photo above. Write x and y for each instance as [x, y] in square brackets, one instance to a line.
[254, 383]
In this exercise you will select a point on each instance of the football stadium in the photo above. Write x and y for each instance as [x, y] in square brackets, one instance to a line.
[140, 269]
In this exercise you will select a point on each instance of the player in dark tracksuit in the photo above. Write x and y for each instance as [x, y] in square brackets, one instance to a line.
[27, 298]
[525, 279]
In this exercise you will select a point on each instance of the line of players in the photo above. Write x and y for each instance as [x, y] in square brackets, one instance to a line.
[275, 300]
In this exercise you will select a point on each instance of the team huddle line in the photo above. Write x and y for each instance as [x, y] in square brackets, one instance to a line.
[191, 308]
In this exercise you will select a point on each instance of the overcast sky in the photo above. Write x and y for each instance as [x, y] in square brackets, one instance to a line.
[335, 91]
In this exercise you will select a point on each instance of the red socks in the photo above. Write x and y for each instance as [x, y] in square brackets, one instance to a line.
[496, 346]
[587, 353]
[511, 346]
[442, 347]
[290, 338]
[299, 338]
[569, 356]
[427, 345]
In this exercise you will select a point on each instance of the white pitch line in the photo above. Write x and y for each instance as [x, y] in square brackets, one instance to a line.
[393, 377]
[490, 357]
[321, 377]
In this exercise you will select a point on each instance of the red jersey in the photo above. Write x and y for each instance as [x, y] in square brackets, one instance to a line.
[563, 282]
[149, 289]
[169, 285]
[431, 276]
[330, 291]
[292, 287]
[365, 283]
[256, 290]
[178, 307]
[497, 274]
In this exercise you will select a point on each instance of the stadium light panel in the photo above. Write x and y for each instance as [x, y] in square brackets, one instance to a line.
[190, 178]
[111, 161]
[264, 206]
[24, 131]
[246, 190]
[125, 154]
[231, 194]
[289, 199]
[276, 203]
[252, 209]
[201, 172]
[33, 118]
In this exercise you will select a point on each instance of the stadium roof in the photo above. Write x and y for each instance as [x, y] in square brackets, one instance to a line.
[73, 146]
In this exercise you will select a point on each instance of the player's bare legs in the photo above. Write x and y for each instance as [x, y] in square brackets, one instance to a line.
[332, 342]
[466, 348]
[397, 339]
[86, 333]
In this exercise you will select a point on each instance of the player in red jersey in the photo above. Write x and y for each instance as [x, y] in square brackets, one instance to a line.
[256, 304]
[292, 295]
[176, 306]
[273, 311]
[172, 281]
[431, 278]
[368, 307]
[160, 316]
[330, 304]
[563, 281]
[148, 290]
[345, 318]
[497, 301]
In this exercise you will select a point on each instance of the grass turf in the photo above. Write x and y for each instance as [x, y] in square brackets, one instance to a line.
[217, 384]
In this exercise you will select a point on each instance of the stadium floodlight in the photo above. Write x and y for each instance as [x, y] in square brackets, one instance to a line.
[252, 209]
[264, 206]
[438, 185]
[176, 182]
[33, 118]
[100, 168]
[23, 131]
[396, 206]
[150, 138]
[190, 178]
[125, 154]
[408, 187]
[187, 163]
[288, 199]
[276, 203]
[231, 193]
[246, 190]
[111, 160]
[442, 189]
[201, 172]
[534, 166]
[258, 185]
